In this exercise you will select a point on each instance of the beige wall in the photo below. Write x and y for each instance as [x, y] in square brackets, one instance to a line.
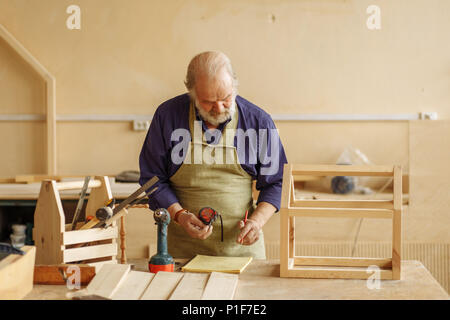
[290, 56]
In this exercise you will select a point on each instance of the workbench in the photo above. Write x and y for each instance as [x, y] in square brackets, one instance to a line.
[261, 281]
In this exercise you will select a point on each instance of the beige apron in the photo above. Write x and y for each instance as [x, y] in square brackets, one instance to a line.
[224, 186]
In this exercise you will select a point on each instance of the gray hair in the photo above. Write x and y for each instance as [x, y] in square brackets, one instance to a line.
[208, 63]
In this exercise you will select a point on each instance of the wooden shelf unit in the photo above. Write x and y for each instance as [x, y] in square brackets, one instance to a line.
[338, 267]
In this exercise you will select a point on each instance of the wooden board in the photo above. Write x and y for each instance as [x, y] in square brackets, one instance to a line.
[16, 274]
[162, 286]
[191, 286]
[220, 286]
[55, 274]
[133, 286]
[108, 280]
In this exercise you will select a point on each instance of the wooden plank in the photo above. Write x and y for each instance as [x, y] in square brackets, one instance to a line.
[397, 224]
[55, 274]
[133, 286]
[108, 280]
[162, 285]
[191, 286]
[95, 234]
[342, 262]
[336, 273]
[341, 213]
[220, 286]
[356, 204]
[16, 274]
[342, 170]
[90, 252]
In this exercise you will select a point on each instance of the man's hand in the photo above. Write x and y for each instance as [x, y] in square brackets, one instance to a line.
[194, 226]
[249, 232]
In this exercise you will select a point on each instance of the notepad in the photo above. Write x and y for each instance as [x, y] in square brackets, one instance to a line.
[218, 264]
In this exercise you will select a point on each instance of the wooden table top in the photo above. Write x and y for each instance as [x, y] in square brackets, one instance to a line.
[261, 281]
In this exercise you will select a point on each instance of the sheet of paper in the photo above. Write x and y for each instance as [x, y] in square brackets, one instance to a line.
[203, 263]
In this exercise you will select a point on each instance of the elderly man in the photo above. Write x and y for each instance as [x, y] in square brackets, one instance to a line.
[206, 147]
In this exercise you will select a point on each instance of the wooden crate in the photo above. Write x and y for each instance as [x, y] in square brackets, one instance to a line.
[56, 243]
[16, 274]
[338, 267]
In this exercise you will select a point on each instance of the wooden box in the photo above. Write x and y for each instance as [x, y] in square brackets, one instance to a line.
[56, 243]
[338, 267]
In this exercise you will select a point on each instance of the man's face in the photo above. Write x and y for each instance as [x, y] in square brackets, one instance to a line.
[215, 98]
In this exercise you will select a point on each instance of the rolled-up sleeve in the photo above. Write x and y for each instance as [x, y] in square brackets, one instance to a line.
[153, 161]
[270, 166]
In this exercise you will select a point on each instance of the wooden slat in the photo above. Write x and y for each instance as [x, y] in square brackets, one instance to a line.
[108, 279]
[341, 213]
[90, 252]
[336, 273]
[361, 204]
[162, 286]
[191, 287]
[342, 170]
[220, 286]
[95, 234]
[342, 262]
[133, 286]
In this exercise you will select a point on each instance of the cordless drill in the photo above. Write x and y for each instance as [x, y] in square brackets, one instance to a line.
[162, 260]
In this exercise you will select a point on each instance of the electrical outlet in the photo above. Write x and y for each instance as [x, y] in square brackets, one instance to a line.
[141, 125]
[428, 116]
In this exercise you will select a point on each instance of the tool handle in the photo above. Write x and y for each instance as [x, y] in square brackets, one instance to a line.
[73, 185]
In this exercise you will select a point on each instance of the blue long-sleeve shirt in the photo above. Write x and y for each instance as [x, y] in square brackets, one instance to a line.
[263, 162]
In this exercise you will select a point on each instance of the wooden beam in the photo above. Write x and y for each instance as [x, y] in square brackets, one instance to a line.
[341, 170]
[336, 273]
[342, 262]
[361, 204]
[397, 224]
[340, 213]
[284, 220]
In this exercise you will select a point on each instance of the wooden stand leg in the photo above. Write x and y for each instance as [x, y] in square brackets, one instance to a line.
[123, 256]
[284, 243]
[291, 237]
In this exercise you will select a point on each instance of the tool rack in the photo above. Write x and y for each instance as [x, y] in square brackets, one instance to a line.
[339, 267]
[56, 243]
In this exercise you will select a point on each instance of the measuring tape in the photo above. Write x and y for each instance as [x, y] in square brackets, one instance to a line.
[208, 215]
